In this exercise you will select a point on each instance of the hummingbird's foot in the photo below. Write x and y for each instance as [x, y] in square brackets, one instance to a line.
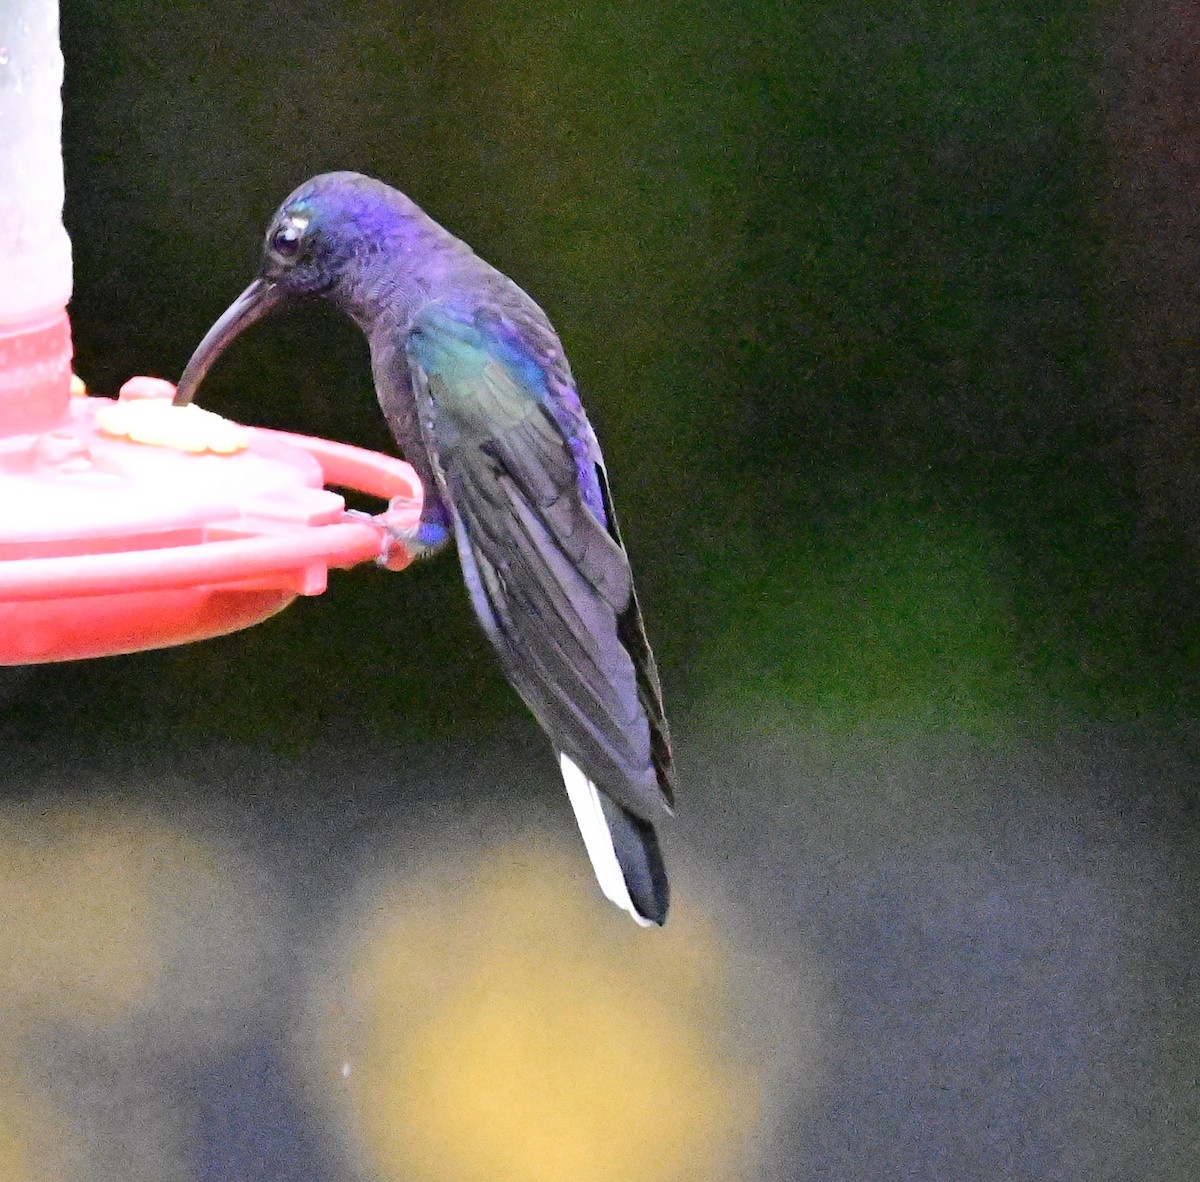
[405, 538]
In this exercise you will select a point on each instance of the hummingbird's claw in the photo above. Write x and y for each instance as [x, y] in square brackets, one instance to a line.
[404, 537]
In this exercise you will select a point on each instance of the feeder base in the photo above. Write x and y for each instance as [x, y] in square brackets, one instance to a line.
[108, 625]
[117, 543]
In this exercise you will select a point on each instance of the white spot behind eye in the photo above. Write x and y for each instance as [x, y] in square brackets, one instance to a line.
[287, 239]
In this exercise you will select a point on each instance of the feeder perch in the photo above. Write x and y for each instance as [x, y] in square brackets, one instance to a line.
[129, 524]
[111, 545]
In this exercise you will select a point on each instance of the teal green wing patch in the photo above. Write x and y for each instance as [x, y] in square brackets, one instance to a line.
[550, 585]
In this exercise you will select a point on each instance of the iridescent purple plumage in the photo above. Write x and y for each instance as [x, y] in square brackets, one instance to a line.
[477, 391]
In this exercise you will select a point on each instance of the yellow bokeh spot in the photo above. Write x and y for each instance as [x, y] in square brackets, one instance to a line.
[97, 908]
[75, 921]
[184, 428]
[37, 1143]
[514, 1027]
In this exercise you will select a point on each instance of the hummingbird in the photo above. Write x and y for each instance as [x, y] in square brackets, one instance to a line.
[476, 388]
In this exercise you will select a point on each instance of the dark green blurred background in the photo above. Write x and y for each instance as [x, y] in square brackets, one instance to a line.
[845, 285]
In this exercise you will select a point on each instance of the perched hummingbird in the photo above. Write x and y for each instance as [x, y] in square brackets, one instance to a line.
[478, 393]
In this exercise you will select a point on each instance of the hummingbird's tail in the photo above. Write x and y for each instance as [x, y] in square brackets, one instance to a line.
[623, 848]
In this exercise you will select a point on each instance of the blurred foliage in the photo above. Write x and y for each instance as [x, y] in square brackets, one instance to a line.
[902, 617]
[833, 284]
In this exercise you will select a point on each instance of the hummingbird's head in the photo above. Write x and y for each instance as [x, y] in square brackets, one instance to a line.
[302, 255]
[322, 241]
[330, 229]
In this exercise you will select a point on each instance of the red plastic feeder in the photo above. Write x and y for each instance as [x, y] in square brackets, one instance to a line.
[108, 545]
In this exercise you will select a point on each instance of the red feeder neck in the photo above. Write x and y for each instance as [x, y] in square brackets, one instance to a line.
[35, 374]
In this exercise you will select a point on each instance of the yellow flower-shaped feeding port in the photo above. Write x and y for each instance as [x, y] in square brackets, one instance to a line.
[144, 414]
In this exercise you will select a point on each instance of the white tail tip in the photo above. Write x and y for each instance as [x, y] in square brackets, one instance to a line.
[585, 800]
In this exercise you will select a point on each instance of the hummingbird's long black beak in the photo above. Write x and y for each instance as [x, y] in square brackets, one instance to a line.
[260, 298]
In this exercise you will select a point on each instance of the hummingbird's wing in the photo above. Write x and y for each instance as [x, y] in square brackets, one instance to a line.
[546, 572]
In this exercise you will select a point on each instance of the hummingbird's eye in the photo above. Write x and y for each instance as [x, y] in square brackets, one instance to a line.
[285, 242]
